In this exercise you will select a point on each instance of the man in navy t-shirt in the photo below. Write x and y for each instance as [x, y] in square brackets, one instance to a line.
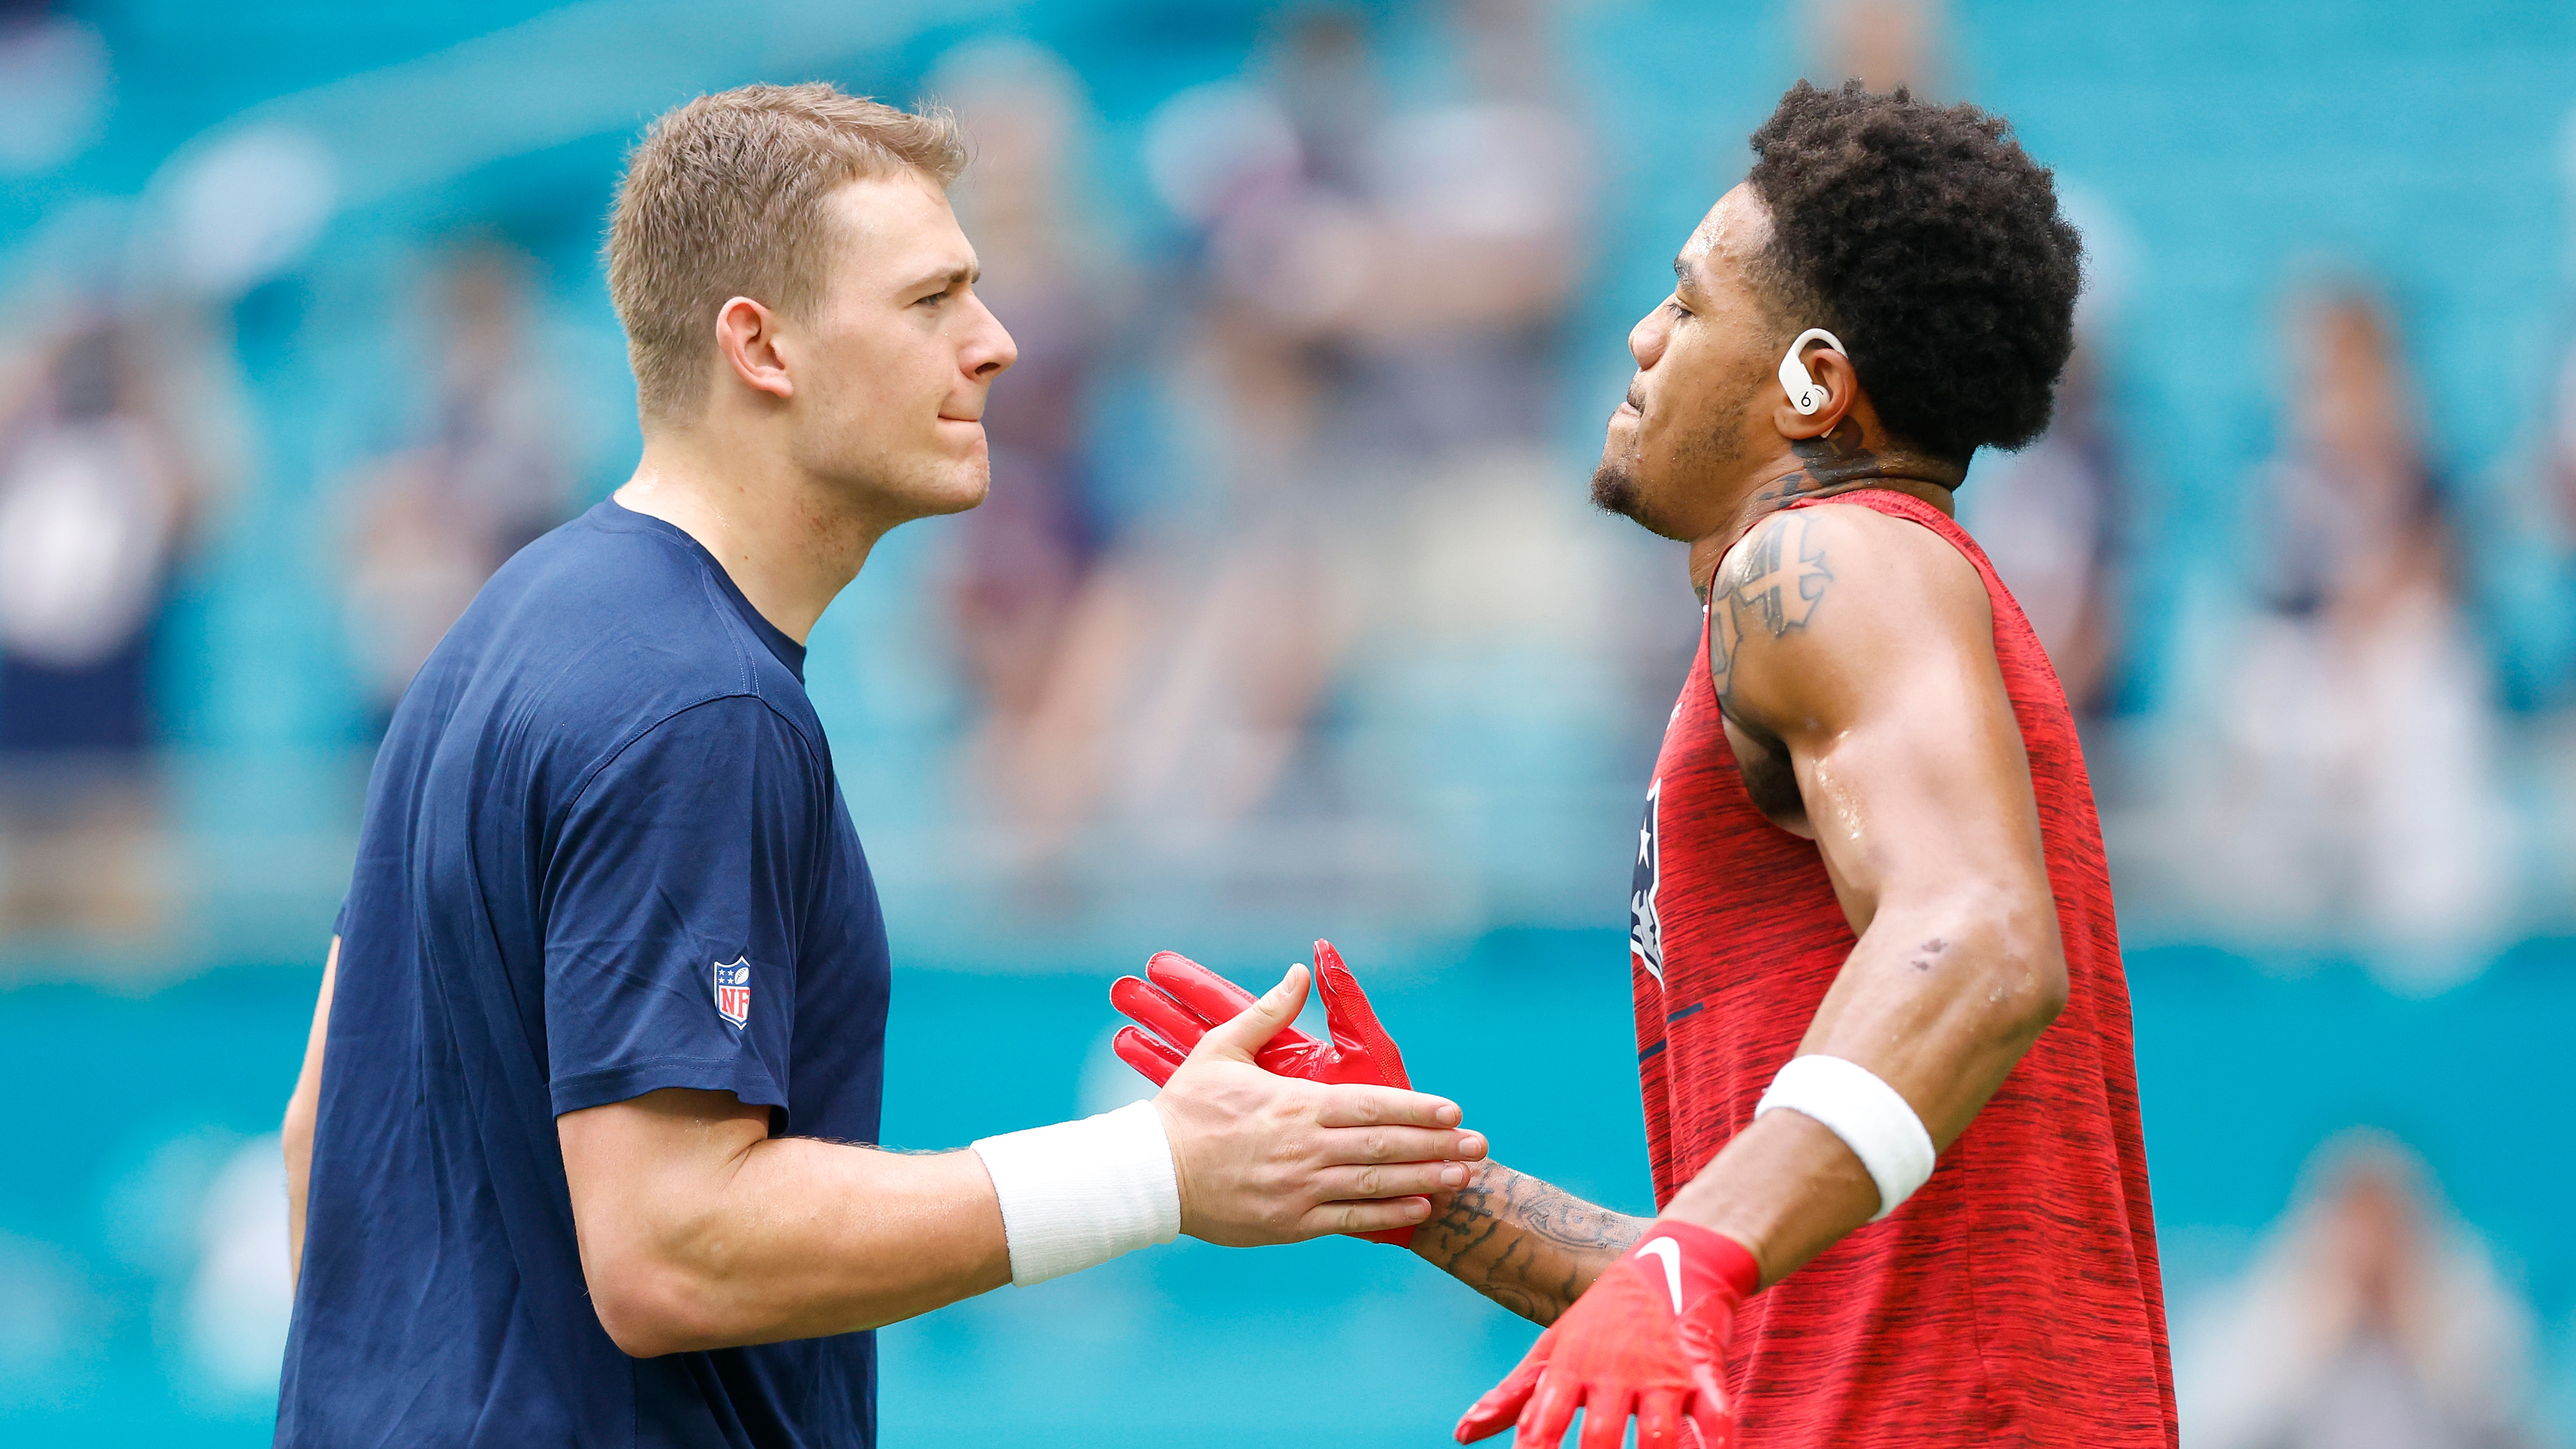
[603, 855]
[571, 1161]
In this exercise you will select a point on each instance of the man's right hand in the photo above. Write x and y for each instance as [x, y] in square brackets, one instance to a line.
[1648, 1339]
[1270, 1159]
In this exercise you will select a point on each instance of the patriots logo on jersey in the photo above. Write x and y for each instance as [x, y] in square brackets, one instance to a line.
[733, 990]
[1645, 928]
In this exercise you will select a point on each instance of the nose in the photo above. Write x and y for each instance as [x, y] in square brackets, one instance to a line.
[1646, 339]
[989, 350]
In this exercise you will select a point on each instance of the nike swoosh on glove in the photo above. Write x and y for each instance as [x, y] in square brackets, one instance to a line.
[1648, 1339]
[1181, 999]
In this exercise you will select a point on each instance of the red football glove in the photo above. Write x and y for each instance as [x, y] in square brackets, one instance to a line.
[1185, 998]
[1648, 1338]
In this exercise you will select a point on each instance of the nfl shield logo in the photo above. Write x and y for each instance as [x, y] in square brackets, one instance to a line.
[733, 990]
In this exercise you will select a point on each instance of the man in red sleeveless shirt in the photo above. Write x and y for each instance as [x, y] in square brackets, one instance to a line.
[1871, 920]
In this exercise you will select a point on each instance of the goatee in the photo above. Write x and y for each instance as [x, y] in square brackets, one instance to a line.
[1614, 490]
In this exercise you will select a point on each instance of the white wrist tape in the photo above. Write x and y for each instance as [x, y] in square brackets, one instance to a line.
[1078, 1194]
[1871, 1118]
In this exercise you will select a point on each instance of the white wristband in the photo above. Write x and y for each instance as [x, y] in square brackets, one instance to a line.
[1078, 1194]
[1871, 1118]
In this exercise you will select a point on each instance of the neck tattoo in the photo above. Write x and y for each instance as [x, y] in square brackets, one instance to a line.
[1838, 462]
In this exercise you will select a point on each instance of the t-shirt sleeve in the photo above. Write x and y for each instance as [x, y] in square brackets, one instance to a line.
[674, 897]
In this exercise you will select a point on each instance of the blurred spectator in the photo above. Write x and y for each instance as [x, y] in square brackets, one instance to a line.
[2054, 516]
[1471, 241]
[1026, 559]
[2369, 1320]
[2358, 786]
[2050, 516]
[96, 504]
[1882, 44]
[54, 74]
[1246, 624]
[1374, 361]
[431, 523]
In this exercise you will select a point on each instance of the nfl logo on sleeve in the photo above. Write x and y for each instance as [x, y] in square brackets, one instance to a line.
[733, 990]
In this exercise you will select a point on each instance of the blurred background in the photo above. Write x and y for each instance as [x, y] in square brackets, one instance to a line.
[1287, 618]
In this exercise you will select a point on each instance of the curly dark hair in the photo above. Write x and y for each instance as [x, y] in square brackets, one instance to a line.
[1929, 241]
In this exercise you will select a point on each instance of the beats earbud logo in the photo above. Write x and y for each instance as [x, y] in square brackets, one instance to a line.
[1805, 393]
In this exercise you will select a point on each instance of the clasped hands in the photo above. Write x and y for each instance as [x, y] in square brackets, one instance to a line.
[1648, 1337]
[1265, 1155]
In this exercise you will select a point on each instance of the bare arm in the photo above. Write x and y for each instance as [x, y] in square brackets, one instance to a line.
[300, 1108]
[700, 1230]
[1526, 1245]
[1862, 647]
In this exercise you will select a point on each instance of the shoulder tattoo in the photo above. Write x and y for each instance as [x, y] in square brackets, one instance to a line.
[1772, 581]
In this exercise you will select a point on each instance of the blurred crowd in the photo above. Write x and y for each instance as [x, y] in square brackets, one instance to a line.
[1349, 337]
[1284, 585]
[1286, 589]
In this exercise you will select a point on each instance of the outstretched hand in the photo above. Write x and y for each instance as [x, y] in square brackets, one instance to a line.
[1263, 1157]
[1175, 1007]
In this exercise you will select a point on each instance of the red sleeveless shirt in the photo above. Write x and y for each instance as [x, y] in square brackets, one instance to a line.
[2015, 1299]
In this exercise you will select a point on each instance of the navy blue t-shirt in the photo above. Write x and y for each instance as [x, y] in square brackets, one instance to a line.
[603, 854]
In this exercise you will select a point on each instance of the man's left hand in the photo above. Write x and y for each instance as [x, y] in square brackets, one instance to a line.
[1180, 998]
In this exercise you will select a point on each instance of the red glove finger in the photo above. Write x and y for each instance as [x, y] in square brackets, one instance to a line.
[1171, 1031]
[1147, 1054]
[1605, 1418]
[1291, 1053]
[1550, 1410]
[1500, 1408]
[1712, 1425]
[1358, 1038]
[1704, 1331]
[1196, 987]
[1216, 999]
[1659, 1420]
[1158, 1013]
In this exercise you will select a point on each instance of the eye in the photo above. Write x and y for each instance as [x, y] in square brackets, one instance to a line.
[1674, 306]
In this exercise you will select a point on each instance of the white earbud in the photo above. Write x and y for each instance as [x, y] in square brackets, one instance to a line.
[1805, 393]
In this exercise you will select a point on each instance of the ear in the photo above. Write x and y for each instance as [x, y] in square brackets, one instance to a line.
[1833, 372]
[747, 338]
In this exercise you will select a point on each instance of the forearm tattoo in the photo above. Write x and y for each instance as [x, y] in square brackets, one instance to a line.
[1530, 1247]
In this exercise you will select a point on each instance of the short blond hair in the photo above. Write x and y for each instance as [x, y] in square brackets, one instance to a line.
[723, 199]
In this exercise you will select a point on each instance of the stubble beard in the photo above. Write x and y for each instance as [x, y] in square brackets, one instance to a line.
[1614, 490]
[1617, 489]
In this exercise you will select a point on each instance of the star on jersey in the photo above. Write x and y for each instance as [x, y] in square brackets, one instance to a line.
[1645, 927]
